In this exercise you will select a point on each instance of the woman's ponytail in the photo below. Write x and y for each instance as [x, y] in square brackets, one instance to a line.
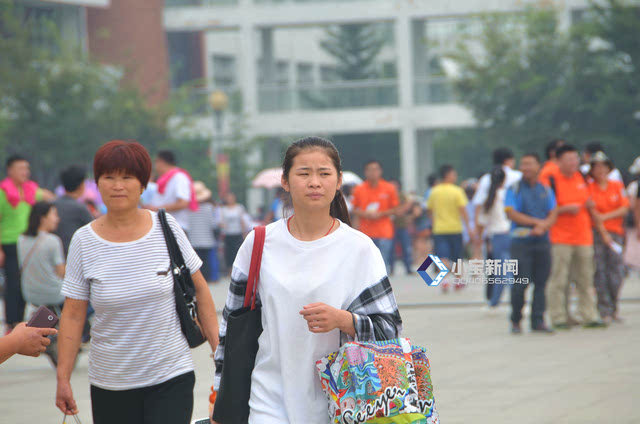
[339, 208]
[497, 179]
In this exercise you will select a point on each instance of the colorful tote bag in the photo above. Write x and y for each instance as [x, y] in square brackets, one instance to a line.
[378, 382]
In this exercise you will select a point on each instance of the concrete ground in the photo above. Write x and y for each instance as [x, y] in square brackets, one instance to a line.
[481, 373]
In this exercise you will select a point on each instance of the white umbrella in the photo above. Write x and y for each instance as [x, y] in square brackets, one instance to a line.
[350, 178]
[268, 178]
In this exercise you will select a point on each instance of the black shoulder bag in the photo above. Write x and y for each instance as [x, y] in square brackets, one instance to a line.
[244, 327]
[183, 288]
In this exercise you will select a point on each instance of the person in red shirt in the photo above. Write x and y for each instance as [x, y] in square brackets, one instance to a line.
[374, 202]
[572, 243]
[611, 206]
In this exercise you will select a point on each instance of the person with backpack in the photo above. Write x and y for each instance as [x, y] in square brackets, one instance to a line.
[314, 295]
[572, 243]
[532, 208]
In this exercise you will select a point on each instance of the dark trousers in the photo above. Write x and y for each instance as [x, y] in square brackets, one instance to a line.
[13, 301]
[232, 244]
[534, 263]
[170, 402]
[403, 238]
[205, 255]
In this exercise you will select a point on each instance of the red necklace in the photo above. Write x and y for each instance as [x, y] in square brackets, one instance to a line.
[332, 224]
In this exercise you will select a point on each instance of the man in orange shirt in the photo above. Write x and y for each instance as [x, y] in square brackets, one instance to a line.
[611, 206]
[550, 167]
[572, 243]
[374, 202]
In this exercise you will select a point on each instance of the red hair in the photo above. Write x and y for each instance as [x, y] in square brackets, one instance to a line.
[129, 157]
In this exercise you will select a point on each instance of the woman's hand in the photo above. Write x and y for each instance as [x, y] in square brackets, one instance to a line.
[322, 318]
[64, 398]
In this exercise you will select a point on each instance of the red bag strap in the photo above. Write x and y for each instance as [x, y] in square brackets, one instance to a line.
[254, 270]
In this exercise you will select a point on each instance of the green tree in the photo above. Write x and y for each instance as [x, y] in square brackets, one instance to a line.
[356, 48]
[527, 80]
[57, 107]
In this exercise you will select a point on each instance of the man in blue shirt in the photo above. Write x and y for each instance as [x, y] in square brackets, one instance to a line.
[532, 208]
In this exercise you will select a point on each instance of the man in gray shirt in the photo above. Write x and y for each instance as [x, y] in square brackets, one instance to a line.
[73, 214]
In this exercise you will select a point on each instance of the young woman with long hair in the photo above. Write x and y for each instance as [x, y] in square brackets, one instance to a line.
[321, 283]
[493, 220]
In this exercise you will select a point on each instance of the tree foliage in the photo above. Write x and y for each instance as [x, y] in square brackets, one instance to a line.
[356, 48]
[528, 79]
[57, 106]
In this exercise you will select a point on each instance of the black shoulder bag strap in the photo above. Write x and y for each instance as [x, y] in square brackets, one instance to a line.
[178, 265]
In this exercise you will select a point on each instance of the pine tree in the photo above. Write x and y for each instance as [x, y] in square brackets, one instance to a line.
[355, 47]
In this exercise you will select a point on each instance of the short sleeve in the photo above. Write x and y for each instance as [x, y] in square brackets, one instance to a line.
[510, 200]
[75, 284]
[39, 194]
[551, 199]
[183, 186]
[429, 202]
[191, 258]
[462, 198]
[483, 190]
[243, 258]
[57, 252]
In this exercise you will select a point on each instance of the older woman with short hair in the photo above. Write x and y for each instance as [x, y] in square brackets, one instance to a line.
[140, 365]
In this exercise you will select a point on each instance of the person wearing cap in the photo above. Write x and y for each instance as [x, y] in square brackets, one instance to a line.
[591, 149]
[202, 223]
[611, 206]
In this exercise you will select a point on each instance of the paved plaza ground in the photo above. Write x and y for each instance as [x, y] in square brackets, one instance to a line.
[481, 373]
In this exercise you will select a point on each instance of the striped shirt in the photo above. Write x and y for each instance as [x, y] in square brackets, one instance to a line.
[201, 225]
[136, 340]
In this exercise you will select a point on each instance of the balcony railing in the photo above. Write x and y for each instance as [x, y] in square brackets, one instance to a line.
[436, 90]
[334, 95]
[182, 3]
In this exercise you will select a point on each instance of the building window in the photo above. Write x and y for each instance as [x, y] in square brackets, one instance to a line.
[224, 71]
[304, 73]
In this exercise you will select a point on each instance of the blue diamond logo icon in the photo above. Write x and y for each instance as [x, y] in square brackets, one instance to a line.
[432, 270]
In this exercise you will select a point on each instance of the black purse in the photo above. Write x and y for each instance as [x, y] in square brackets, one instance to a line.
[244, 326]
[183, 288]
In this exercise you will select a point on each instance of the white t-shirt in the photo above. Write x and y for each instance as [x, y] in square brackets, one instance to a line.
[495, 221]
[511, 177]
[285, 387]
[136, 340]
[232, 219]
[178, 187]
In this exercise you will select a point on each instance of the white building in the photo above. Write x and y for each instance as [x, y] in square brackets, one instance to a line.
[270, 51]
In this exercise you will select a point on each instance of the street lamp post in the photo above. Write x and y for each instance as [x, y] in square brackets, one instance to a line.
[219, 101]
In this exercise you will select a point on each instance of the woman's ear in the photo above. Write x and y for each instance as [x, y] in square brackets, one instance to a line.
[284, 183]
[339, 181]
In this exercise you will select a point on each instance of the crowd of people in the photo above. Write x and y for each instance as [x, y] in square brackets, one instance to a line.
[567, 226]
